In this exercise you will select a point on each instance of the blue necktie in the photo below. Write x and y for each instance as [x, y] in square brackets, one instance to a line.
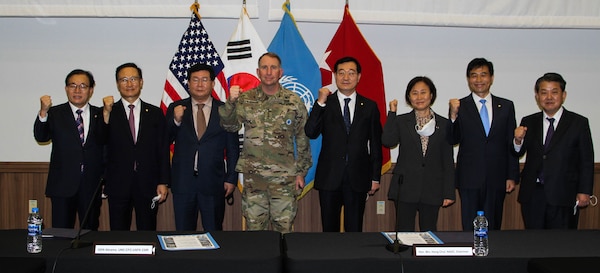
[347, 115]
[483, 113]
[79, 123]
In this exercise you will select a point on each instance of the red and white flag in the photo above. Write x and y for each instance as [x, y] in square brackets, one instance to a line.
[241, 54]
[195, 47]
[241, 61]
[348, 41]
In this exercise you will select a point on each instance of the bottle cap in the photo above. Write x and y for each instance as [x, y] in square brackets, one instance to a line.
[35, 210]
[480, 213]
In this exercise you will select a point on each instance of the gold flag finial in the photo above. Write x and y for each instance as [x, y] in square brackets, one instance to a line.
[195, 8]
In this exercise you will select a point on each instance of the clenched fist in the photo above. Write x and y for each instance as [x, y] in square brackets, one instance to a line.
[178, 113]
[454, 105]
[323, 94]
[393, 105]
[45, 103]
[234, 93]
[520, 134]
[108, 102]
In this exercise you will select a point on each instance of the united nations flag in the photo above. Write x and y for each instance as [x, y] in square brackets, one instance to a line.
[301, 75]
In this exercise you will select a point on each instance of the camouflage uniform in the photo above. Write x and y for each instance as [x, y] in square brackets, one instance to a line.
[275, 151]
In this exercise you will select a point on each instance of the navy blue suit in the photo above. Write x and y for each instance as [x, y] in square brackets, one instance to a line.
[484, 163]
[134, 170]
[218, 152]
[71, 189]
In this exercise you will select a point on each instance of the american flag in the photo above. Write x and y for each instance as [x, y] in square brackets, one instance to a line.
[195, 47]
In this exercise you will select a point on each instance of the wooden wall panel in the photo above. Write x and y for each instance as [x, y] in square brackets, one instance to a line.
[22, 181]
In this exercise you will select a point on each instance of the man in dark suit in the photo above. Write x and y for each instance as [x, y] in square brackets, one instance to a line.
[484, 127]
[559, 170]
[200, 178]
[349, 165]
[138, 154]
[76, 162]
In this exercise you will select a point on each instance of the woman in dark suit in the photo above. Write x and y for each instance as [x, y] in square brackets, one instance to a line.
[423, 178]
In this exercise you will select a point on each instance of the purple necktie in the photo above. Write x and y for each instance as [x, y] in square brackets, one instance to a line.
[132, 122]
[549, 133]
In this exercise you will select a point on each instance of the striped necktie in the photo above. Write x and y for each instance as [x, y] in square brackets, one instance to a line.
[79, 122]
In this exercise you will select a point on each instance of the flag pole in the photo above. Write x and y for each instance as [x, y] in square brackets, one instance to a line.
[195, 8]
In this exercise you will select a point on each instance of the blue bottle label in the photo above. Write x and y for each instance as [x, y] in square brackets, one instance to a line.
[33, 229]
[481, 233]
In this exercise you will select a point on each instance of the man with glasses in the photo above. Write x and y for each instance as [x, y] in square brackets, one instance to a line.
[138, 154]
[76, 161]
[204, 156]
[349, 165]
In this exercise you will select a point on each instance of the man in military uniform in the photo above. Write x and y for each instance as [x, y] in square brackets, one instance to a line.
[276, 153]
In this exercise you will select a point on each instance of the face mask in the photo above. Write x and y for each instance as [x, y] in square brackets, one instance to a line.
[426, 130]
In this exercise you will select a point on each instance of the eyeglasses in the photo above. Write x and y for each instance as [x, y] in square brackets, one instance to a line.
[344, 73]
[74, 86]
[196, 80]
[132, 79]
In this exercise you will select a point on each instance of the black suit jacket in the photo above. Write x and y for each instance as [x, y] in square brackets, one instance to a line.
[568, 164]
[64, 175]
[150, 153]
[484, 159]
[428, 179]
[362, 145]
[215, 146]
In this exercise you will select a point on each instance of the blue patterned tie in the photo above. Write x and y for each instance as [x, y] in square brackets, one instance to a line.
[347, 115]
[483, 113]
[79, 122]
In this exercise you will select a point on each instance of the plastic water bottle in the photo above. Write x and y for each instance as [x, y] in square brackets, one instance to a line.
[34, 231]
[480, 235]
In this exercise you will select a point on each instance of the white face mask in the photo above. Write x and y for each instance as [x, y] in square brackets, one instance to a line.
[426, 130]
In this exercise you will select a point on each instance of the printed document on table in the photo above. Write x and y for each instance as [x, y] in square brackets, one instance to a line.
[202, 241]
[413, 238]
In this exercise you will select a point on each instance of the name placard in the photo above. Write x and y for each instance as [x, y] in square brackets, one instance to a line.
[442, 250]
[124, 249]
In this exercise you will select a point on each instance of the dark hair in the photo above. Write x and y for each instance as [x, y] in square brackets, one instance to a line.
[200, 67]
[347, 59]
[270, 54]
[480, 62]
[416, 80]
[81, 72]
[551, 77]
[125, 65]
